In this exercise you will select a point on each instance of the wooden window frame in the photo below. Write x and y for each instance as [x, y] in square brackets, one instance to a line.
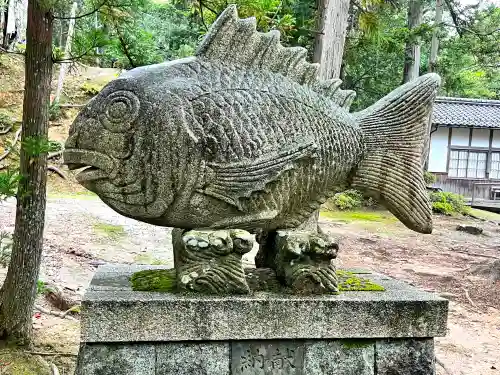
[488, 151]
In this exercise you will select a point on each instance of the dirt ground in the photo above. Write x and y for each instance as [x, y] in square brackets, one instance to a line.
[441, 263]
[81, 233]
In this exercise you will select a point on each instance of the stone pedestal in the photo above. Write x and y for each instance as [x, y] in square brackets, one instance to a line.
[353, 333]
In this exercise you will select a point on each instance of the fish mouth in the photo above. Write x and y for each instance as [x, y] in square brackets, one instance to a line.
[91, 165]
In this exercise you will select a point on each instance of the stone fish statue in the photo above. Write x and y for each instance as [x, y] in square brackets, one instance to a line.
[241, 137]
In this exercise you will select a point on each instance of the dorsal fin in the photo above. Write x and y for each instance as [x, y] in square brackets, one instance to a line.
[235, 41]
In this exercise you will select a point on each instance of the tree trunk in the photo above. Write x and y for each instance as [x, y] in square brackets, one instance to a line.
[5, 35]
[67, 53]
[412, 51]
[21, 18]
[329, 42]
[435, 40]
[432, 68]
[332, 23]
[18, 293]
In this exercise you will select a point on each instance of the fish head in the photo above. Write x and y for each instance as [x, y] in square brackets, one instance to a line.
[108, 147]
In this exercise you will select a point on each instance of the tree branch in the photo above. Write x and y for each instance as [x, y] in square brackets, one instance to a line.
[125, 48]
[201, 14]
[83, 15]
[454, 16]
[55, 354]
[56, 170]
[210, 9]
[7, 152]
[61, 315]
[6, 130]
[3, 50]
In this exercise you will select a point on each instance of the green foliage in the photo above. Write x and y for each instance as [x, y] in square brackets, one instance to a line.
[41, 287]
[36, 146]
[469, 63]
[91, 89]
[295, 19]
[348, 200]
[132, 33]
[429, 178]
[448, 203]
[374, 53]
[55, 146]
[9, 181]
[140, 33]
[57, 53]
[54, 111]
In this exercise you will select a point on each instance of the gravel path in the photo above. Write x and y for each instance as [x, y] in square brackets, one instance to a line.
[81, 233]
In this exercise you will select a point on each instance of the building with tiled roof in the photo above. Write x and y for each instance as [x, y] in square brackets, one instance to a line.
[465, 145]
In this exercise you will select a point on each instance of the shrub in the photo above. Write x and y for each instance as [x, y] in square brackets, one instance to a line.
[5, 120]
[348, 200]
[91, 88]
[429, 178]
[448, 203]
[9, 180]
[54, 111]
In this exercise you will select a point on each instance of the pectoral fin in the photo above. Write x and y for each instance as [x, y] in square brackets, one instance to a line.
[233, 181]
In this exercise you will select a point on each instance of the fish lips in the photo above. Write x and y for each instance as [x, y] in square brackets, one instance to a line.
[94, 165]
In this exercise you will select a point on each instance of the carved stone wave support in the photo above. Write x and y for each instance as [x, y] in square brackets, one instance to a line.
[210, 261]
[302, 259]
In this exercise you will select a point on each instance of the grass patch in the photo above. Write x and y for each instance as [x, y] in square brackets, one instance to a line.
[351, 216]
[85, 194]
[485, 215]
[110, 230]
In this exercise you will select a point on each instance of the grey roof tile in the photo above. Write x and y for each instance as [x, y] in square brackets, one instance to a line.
[466, 112]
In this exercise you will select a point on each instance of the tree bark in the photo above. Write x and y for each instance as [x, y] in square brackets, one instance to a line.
[329, 43]
[67, 53]
[412, 50]
[18, 293]
[435, 40]
[5, 36]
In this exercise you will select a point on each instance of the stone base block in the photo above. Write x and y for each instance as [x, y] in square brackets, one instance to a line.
[283, 357]
[358, 333]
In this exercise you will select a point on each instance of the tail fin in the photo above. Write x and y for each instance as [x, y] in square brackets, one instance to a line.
[395, 130]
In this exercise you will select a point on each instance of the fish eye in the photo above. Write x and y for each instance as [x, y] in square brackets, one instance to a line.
[119, 111]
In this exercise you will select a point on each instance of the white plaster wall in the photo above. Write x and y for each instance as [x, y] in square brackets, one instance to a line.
[480, 138]
[439, 150]
[460, 136]
[496, 139]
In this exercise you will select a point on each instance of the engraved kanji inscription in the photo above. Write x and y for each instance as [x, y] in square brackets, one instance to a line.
[267, 358]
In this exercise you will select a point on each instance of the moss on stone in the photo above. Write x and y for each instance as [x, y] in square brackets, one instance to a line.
[15, 362]
[350, 282]
[154, 280]
[162, 280]
[356, 343]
